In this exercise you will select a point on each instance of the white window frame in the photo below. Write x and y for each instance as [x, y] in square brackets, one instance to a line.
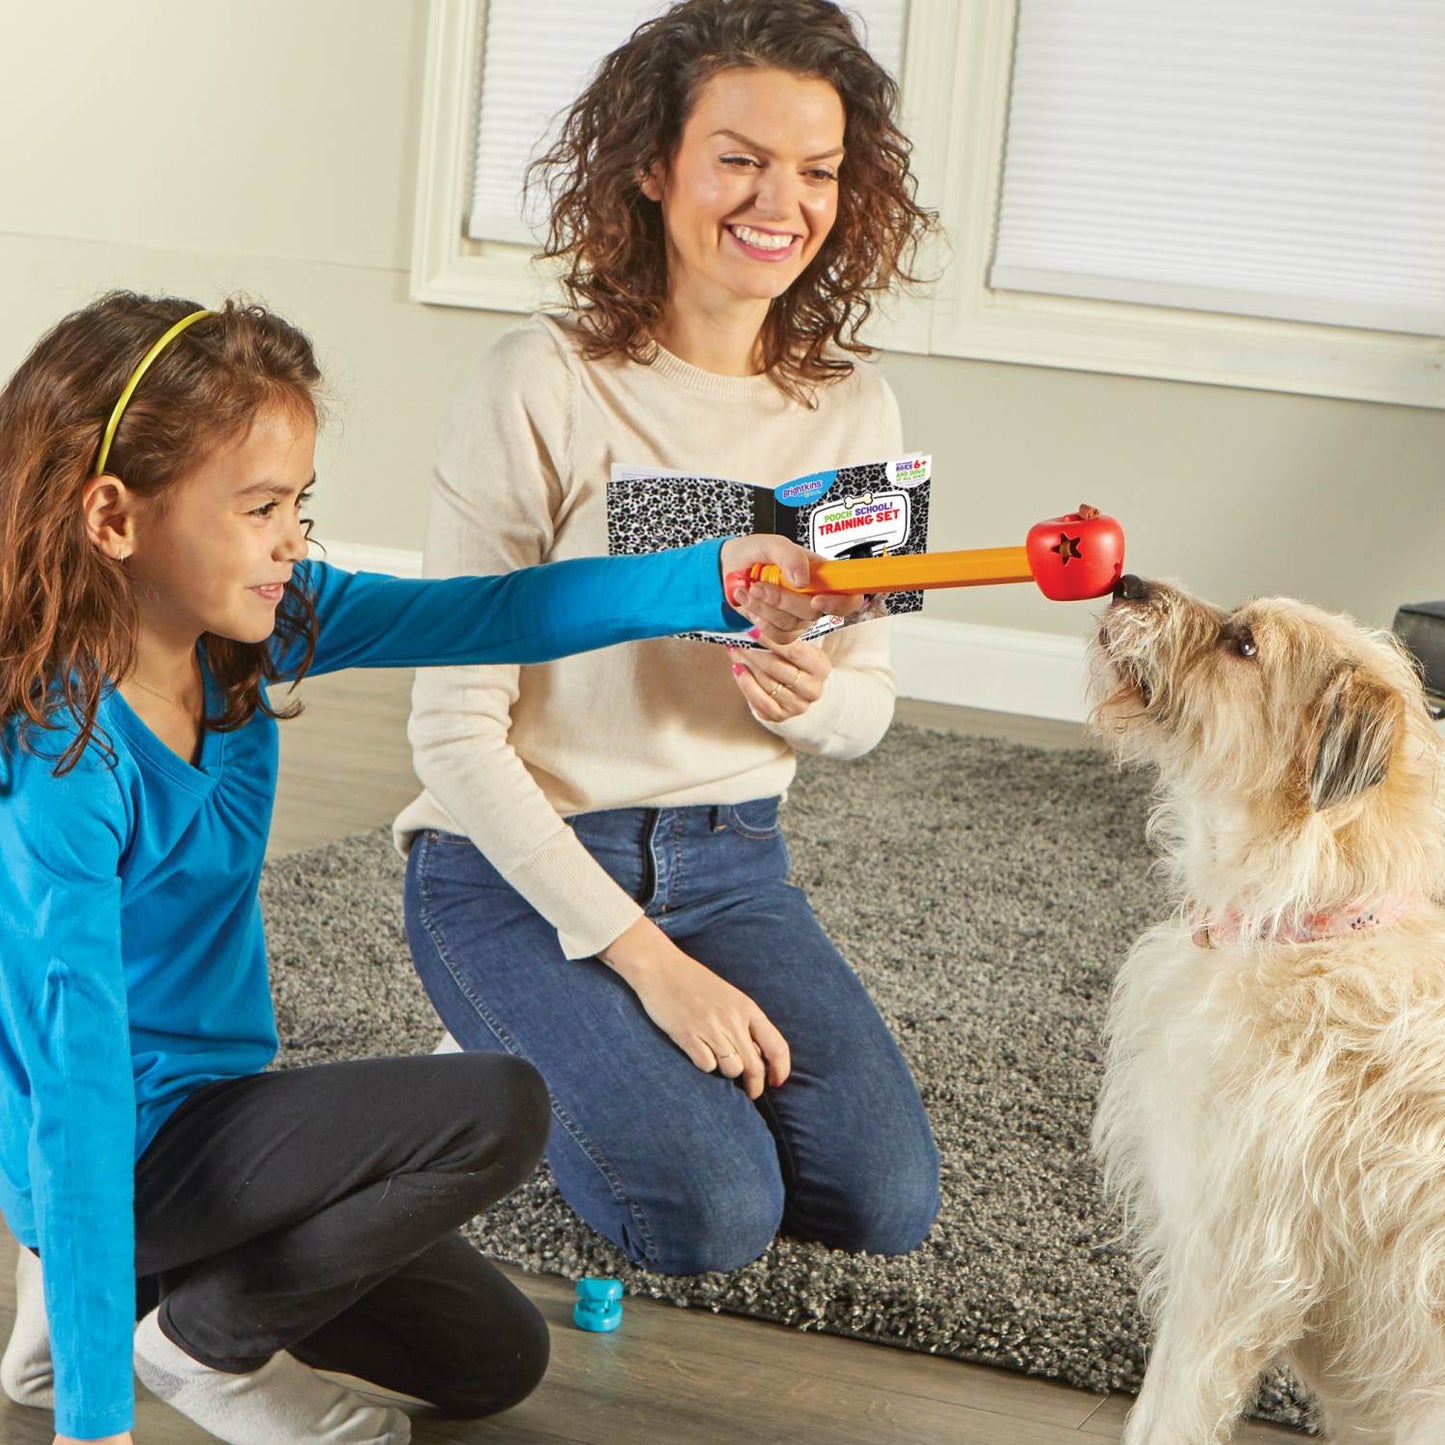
[447, 268]
[957, 62]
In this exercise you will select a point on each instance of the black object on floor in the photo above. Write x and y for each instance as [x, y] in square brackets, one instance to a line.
[1421, 627]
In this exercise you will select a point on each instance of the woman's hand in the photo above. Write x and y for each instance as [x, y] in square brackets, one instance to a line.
[716, 1025]
[780, 680]
[781, 615]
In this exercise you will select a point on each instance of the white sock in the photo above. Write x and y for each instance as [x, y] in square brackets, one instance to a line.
[283, 1400]
[26, 1374]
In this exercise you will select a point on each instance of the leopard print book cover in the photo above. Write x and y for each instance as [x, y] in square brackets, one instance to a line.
[857, 511]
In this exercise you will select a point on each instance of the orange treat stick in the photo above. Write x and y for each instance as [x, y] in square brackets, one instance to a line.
[975, 567]
[1073, 557]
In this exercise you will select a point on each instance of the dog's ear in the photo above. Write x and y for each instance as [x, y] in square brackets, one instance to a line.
[1356, 723]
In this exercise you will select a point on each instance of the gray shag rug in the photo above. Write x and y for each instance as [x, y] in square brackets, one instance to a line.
[1021, 879]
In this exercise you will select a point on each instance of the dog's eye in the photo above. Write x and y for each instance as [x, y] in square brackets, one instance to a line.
[1238, 638]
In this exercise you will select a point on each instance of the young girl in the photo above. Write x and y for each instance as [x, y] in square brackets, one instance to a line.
[730, 193]
[155, 461]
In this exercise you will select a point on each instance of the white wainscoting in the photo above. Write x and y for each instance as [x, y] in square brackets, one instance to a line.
[1003, 669]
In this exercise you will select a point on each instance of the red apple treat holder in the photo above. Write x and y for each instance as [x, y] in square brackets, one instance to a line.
[1071, 558]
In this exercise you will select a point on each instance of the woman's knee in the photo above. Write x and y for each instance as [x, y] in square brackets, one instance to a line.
[714, 1206]
[685, 1189]
[722, 1230]
[886, 1208]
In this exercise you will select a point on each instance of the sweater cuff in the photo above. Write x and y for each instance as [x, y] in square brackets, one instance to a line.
[847, 721]
[575, 894]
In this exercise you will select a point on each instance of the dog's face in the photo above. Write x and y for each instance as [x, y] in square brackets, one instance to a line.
[1298, 764]
[1276, 701]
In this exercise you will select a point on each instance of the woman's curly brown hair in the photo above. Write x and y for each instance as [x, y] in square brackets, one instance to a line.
[68, 619]
[630, 119]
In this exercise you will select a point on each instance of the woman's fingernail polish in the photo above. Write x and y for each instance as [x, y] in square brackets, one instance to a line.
[738, 669]
[755, 632]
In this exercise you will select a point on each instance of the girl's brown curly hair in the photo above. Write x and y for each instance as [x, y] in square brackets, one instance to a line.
[631, 117]
[68, 619]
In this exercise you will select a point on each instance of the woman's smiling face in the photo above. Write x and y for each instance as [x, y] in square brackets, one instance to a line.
[751, 192]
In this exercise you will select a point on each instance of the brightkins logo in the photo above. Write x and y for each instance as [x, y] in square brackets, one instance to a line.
[802, 490]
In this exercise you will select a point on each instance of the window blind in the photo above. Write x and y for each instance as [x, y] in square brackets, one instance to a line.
[1282, 159]
[539, 55]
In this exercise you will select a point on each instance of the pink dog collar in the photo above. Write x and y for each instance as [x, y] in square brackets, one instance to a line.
[1304, 928]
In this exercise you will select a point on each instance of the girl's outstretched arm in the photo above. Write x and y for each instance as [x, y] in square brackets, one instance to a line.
[537, 614]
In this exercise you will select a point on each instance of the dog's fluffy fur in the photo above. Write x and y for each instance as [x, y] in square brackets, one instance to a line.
[1273, 1113]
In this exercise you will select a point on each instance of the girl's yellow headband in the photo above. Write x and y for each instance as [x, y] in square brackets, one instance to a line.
[135, 378]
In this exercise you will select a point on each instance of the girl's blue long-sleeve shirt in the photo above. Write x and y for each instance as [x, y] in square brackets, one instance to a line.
[132, 961]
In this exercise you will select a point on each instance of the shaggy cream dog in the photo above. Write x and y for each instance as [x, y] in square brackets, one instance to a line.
[1273, 1111]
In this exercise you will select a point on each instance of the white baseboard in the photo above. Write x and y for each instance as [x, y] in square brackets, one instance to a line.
[963, 664]
[1002, 669]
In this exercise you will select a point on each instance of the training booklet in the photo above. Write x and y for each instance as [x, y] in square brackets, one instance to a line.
[864, 510]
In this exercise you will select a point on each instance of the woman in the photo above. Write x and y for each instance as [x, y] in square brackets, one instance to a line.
[729, 193]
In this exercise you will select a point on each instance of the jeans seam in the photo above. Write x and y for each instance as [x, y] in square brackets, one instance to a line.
[438, 943]
[733, 823]
[573, 1129]
[678, 889]
[753, 835]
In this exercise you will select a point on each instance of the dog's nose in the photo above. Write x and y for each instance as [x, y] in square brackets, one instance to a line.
[1130, 588]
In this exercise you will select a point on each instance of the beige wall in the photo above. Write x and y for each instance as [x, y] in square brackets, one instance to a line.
[206, 146]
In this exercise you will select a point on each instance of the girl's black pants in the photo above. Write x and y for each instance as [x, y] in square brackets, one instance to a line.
[317, 1211]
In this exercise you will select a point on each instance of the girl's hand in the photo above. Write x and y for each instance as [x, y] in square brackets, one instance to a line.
[780, 680]
[716, 1025]
[781, 615]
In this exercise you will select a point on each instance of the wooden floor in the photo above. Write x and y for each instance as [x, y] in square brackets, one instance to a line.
[669, 1376]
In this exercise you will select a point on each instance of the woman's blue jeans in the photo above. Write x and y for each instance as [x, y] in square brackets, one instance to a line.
[676, 1167]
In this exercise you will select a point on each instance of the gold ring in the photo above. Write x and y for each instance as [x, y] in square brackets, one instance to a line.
[731, 1054]
[797, 673]
[776, 688]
